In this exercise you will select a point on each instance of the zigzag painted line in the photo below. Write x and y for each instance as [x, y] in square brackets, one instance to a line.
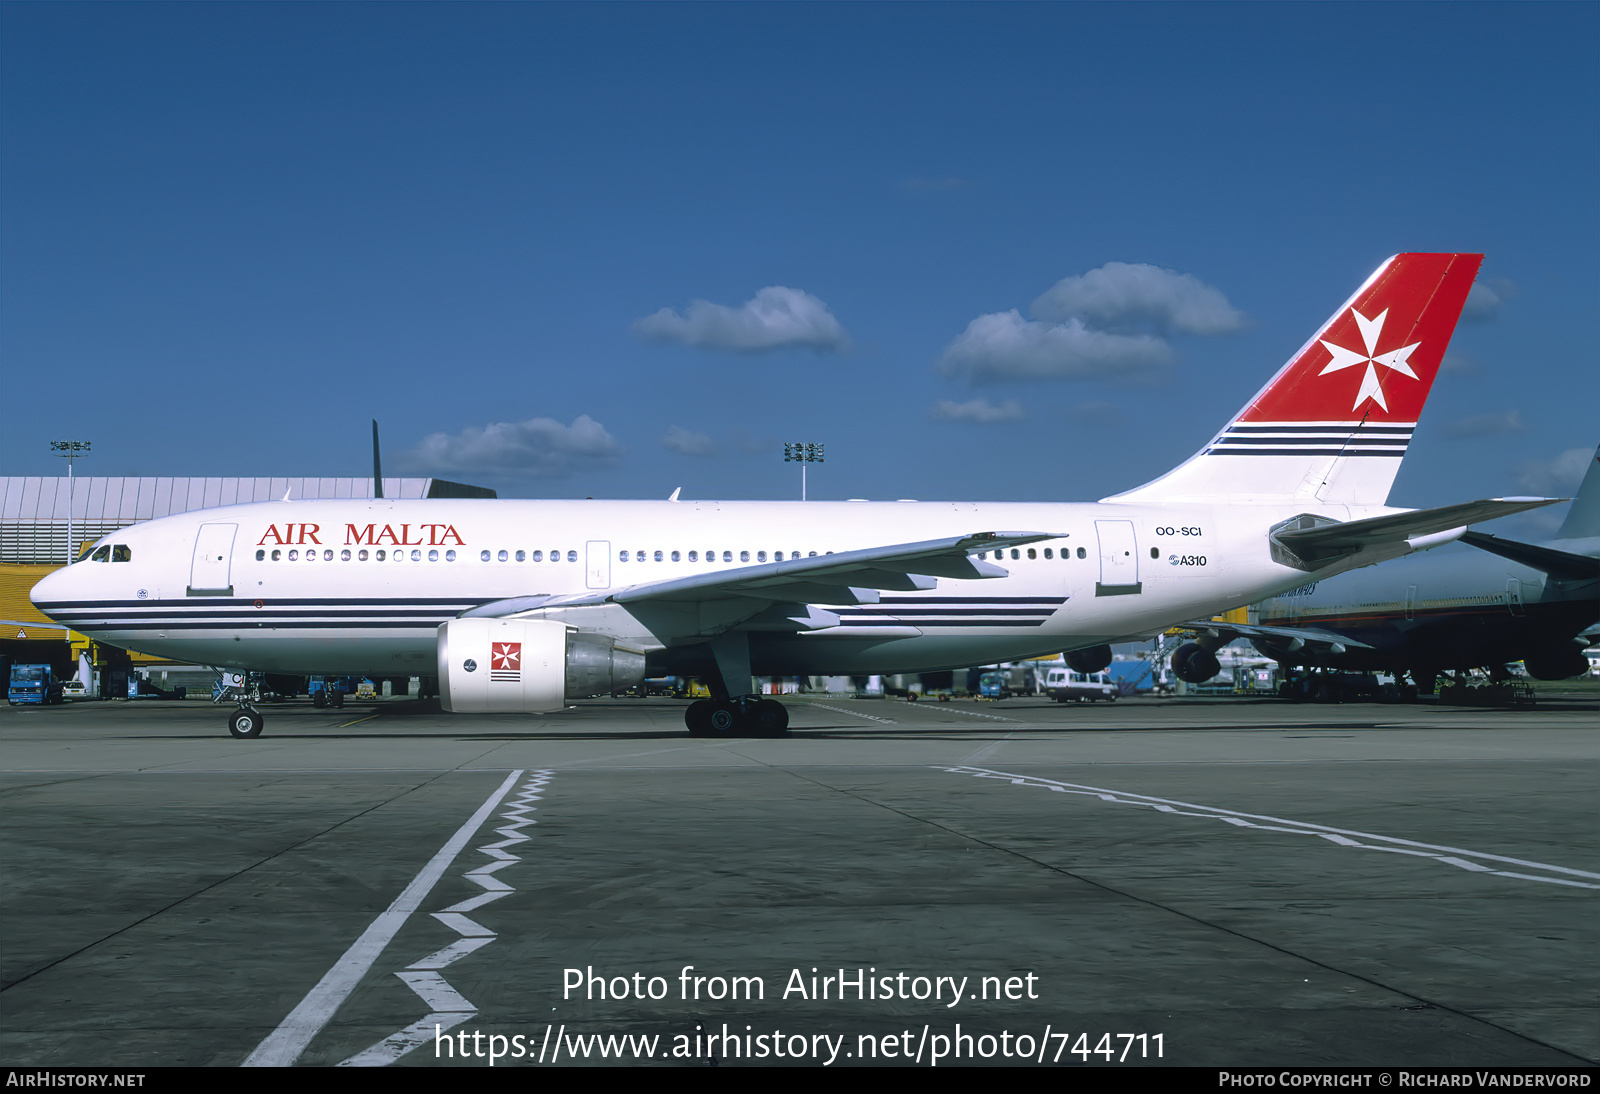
[448, 1008]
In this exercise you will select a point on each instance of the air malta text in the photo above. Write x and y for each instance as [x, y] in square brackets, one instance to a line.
[426, 535]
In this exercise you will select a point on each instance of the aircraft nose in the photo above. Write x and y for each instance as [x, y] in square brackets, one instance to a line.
[53, 589]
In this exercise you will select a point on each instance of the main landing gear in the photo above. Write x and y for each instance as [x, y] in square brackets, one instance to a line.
[747, 716]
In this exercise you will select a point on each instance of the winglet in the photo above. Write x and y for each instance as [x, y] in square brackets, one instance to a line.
[675, 494]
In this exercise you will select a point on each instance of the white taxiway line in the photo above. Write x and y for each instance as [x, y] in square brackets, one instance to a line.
[1344, 837]
[284, 1045]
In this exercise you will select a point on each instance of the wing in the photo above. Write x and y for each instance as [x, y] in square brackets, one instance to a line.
[1561, 565]
[846, 577]
[1294, 638]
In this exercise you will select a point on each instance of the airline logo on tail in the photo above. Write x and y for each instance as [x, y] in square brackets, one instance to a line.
[1371, 334]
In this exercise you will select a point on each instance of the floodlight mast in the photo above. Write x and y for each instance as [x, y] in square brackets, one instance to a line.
[69, 451]
[802, 453]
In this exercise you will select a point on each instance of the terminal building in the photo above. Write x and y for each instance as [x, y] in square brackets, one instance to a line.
[45, 521]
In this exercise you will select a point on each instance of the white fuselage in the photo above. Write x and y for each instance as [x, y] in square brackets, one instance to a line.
[360, 587]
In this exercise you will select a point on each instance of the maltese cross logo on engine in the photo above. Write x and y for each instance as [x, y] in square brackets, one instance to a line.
[1396, 359]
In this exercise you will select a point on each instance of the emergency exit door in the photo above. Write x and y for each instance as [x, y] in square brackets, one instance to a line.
[598, 563]
[1119, 559]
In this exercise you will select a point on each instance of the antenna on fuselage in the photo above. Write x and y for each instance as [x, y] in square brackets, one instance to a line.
[377, 465]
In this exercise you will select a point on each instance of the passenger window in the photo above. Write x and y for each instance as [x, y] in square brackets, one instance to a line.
[727, 556]
[361, 555]
[380, 556]
[622, 556]
[638, 556]
[504, 556]
[1155, 552]
[658, 556]
[276, 555]
[121, 553]
[327, 556]
[101, 553]
[344, 555]
[572, 556]
[294, 556]
[1031, 554]
[694, 556]
[483, 556]
[416, 556]
[675, 556]
[761, 556]
[433, 556]
[261, 556]
[538, 556]
[521, 555]
[1082, 553]
[1047, 553]
[449, 556]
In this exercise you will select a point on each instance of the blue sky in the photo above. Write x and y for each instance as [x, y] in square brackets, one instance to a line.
[234, 233]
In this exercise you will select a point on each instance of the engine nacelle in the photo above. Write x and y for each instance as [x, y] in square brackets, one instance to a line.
[1093, 659]
[527, 666]
[1557, 664]
[1194, 664]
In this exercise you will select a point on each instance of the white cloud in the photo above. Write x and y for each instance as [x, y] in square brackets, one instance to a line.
[1004, 346]
[775, 318]
[540, 448]
[1486, 425]
[1132, 296]
[687, 443]
[1487, 297]
[1554, 478]
[980, 411]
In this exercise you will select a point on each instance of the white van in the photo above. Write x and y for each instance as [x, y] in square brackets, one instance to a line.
[1063, 684]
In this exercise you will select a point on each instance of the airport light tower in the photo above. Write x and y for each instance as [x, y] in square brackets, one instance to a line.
[802, 454]
[69, 451]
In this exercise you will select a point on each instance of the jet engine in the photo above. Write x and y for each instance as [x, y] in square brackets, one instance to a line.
[1193, 664]
[528, 666]
[1092, 659]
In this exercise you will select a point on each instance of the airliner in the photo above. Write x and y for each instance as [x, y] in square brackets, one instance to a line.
[521, 606]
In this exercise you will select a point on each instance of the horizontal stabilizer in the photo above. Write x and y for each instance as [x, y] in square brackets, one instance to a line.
[1561, 565]
[1313, 539]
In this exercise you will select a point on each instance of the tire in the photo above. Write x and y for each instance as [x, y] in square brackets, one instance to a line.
[245, 724]
[698, 718]
[771, 718]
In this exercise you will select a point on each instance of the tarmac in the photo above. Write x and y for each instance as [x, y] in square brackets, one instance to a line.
[1210, 882]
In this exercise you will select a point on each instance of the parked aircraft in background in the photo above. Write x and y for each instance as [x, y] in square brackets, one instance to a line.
[519, 606]
[1447, 611]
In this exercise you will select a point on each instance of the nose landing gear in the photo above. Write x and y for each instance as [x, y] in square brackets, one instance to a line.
[245, 722]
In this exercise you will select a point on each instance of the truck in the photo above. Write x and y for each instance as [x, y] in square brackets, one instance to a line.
[33, 684]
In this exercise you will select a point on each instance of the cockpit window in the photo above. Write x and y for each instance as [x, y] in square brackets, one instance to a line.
[121, 553]
[101, 553]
